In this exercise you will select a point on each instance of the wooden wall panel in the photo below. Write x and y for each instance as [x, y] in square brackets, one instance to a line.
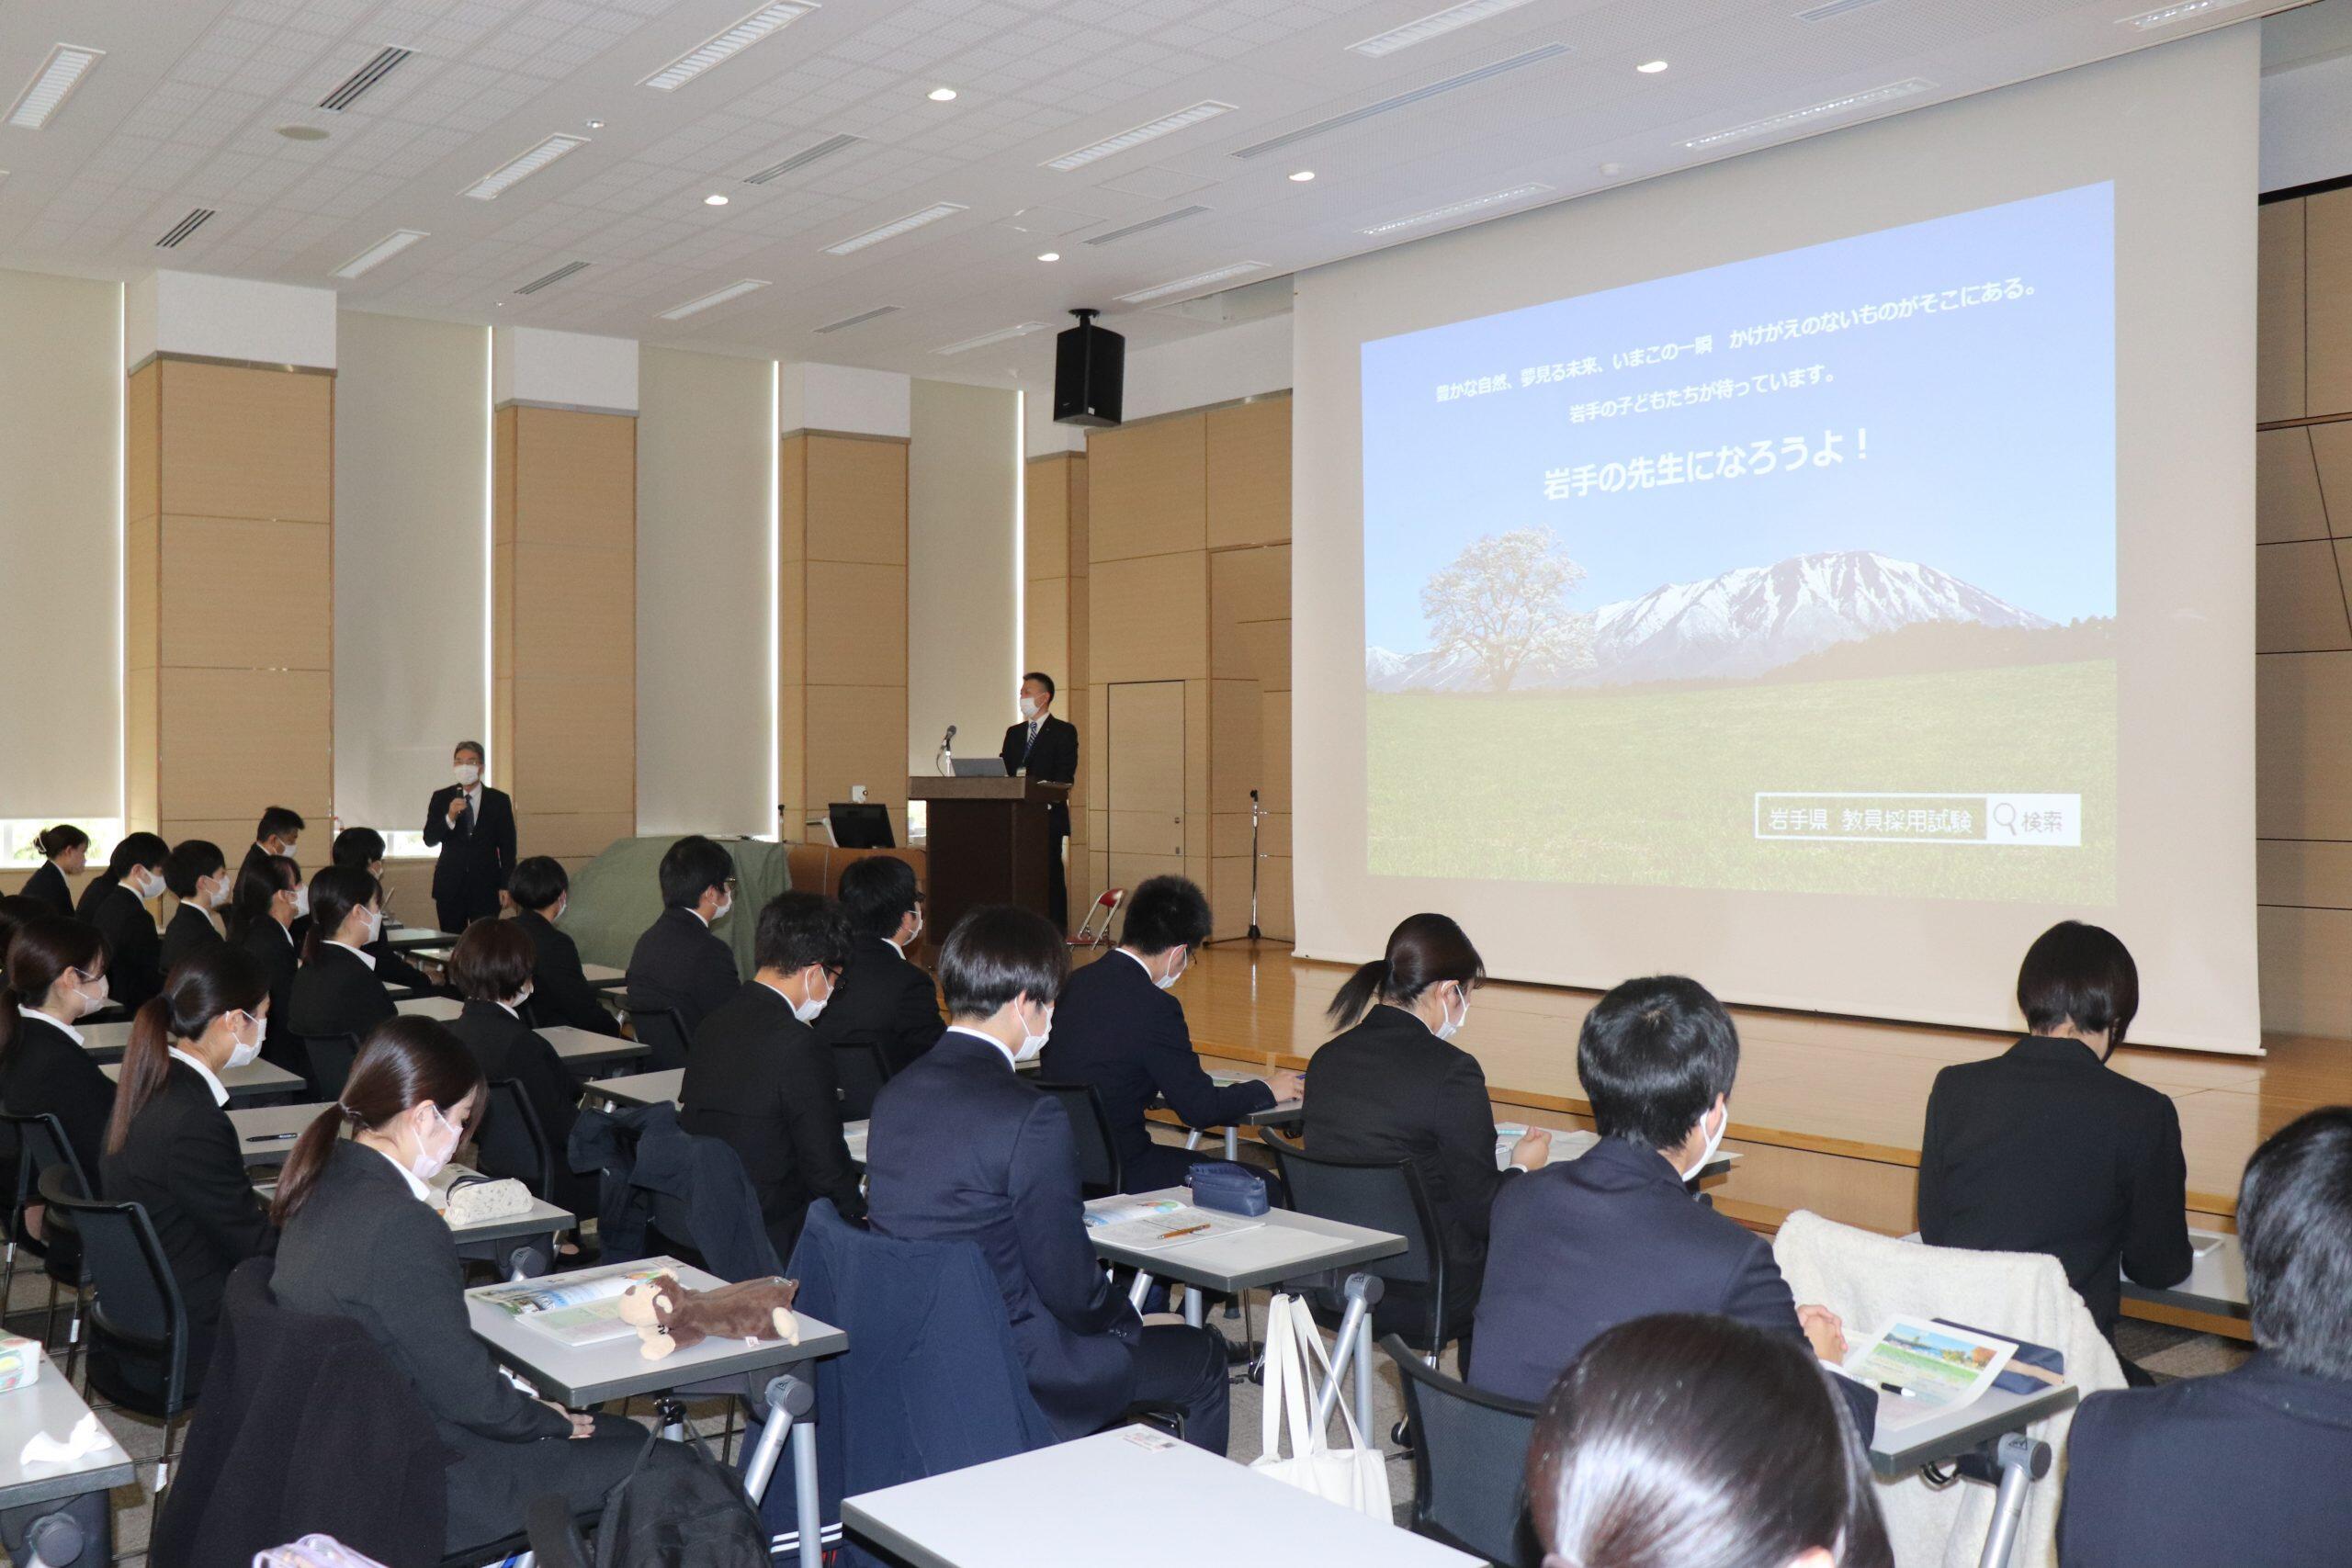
[234, 740]
[2303, 761]
[575, 746]
[858, 735]
[857, 624]
[1045, 628]
[1147, 490]
[1044, 517]
[1150, 617]
[2278, 313]
[2332, 457]
[2287, 502]
[2306, 985]
[856, 500]
[2299, 599]
[240, 593]
[1236, 741]
[141, 782]
[2327, 301]
[142, 414]
[1248, 479]
[2311, 874]
[141, 592]
[574, 614]
[575, 479]
[241, 442]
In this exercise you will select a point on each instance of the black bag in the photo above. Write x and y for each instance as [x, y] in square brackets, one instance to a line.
[685, 1513]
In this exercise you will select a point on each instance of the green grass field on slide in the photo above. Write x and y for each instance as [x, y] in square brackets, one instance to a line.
[1656, 788]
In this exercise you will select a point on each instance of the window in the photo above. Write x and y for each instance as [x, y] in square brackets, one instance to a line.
[16, 835]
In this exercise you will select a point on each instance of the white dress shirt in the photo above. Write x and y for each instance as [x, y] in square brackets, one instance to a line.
[211, 1079]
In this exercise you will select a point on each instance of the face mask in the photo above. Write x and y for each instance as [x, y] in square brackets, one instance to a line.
[372, 928]
[1451, 1025]
[807, 1011]
[723, 910]
[1715, 1141]
[523, 996]
[246, 1050]
[1028, 708]
[219, 895]
[94, 995]
[426, 1164]
[468, 774]
[302, 902]
[1174, 974]
[151, 885]
[1032, 1043]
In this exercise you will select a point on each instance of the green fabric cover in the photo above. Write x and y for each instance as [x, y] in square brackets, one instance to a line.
[619, 894]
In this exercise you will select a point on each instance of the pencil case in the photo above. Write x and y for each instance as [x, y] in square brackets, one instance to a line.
[1228, 1186]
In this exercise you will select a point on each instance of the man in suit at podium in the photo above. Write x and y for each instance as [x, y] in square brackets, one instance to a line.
[1046, 748]
[473, 825]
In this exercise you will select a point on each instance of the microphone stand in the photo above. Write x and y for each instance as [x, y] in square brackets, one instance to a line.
[1257, 811]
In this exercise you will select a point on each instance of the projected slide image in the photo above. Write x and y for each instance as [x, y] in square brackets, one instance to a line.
[1794, 574]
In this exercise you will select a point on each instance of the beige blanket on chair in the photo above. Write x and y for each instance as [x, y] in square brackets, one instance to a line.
[1866, 1279]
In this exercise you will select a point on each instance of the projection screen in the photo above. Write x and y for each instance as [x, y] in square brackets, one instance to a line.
[1816, 572]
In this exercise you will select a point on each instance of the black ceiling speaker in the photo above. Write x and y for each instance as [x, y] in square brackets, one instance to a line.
[1089, 363]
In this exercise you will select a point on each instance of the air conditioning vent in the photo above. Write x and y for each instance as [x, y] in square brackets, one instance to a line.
[186, 226]
[854, 321]
[558, 276]
[359, 81]
[801, 159]
[1406, 100]
[1117, 235]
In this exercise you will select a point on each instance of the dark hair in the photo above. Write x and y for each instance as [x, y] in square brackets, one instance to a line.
[1688, 1440]
[1423, 951]
[17, 912]
[209, 982]
[1165, 912]
[258, 883]
[492, 961]
[36, 956]
[405, 1062]
[538, 881]
[877, 892]
[130, 849]
[360, 847]
[691, 867]
[2079, 974]
[1042, 679]
[2295, 1222]
[55, 842]
[336, 891]
[190, 861]
[276, 822]
[800, 928]
[481, 753]
[1652, 1054]
[997, 952]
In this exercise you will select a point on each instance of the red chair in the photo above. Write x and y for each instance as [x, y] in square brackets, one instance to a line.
[1089, 932]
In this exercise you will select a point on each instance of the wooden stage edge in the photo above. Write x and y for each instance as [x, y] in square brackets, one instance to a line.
[1827, 1111]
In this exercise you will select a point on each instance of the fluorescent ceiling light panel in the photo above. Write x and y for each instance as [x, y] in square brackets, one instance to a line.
[1455, 210]
[1822, 13]
[2180, 13]
[382, 250]
[719, 297]
[1187, 285]
[508, 175]
[724, 46]
[1825, 109]
[1024, 330]
[1135, 136]
[1435, 24]
[913, 220]
[1405, 100]
[51, 86]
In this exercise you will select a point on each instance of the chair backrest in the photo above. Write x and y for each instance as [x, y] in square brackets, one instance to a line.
[509, 1140]
[1095, 929]
[663, 1034]
[329, 1056]
[859, 1071]
[1099, 1173]
[1384, 1195]
[136, 1298]
[40, 1143]
[1469, 1462]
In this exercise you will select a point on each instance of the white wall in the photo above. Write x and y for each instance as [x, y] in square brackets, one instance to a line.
[2307, 123]
[533, 365]
[1215, 367]
[229, 318]
[962, 567]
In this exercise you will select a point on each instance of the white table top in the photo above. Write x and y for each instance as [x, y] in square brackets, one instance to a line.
[591, 1374]
[542, 1218]
[266, 1133]
[604, 977]
[400, 939]
[2216, 1281]
[586, 1048]
[49, 1404]
[256, 1078]
[641, 1089]
[1940, 1437]
[441, 1007]
[1100, 1488]
[1282, 1245]
[1574, 1143]
[106, 1042]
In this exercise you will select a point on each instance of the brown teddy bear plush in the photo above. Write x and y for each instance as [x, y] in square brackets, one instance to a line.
[669, 1316]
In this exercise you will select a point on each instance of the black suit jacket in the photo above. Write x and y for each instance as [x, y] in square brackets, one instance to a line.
[560, 990]
[1115, 1030]
[1054, 758]
[960, 1149]
[508, 1048]
[189, 930]
[334, 993]
[136, 971]
[42, 1072]
[2247, 1468]
[2045, 1149]
[1389, 1089]
[271, 946]
[759, 1080]
[47, 885]
[679, 963]
[885, 999]
[473, 866]
[182, 1161]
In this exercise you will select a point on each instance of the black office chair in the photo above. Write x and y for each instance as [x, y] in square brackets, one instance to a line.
[859, 1071]
[509, 1141]
[1098, 1171]
[40, 1148]
[330, 1058]
[1469, 1461]
[663, 1034]
[136, 1314]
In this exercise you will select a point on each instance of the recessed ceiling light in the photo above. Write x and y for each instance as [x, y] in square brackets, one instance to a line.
[892, 230]
[382, 250]
[1024, 330]
[58, 76]
[301, 133]
[714, 200]
[595, 125]
[1454, 210]
[1435, 24]
[942, 95]
[2179, 13]
[1136, 135]
[719, 297]
[1051, 255]
[1651, 67]
[1187, 285]
[515, 170]
[1613, 169]
[1825, 109]
[1302, 176]
[725, 46]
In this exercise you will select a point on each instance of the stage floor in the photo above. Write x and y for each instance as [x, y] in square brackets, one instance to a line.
[1809, 1084]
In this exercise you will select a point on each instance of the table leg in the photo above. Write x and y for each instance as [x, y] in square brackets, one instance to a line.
[1354, 1342]
[1233, 1144]
[1364, 1380]
[70, 1533]
[2023, 1461]
[792, 1412]
[805, 1494]
[1196, 1306]
[1140, 1289]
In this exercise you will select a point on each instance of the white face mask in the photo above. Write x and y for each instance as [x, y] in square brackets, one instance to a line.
[246, 1050]
[1032, 1043]
[302, 902]
[1175, 973]
[521, 996]
[909, 939]
[468, 774]
[1450, 1025]
[94, 994]
[425, 1164]
[726, 908]
[221, 893]
[1028, 708]
[1714, 1141]
[807, 1011]
[372, 922]
[149, 886]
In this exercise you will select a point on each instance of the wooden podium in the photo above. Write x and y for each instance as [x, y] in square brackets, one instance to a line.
[988, 842]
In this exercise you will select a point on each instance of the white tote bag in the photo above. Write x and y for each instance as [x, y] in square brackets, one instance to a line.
[1355, 1477]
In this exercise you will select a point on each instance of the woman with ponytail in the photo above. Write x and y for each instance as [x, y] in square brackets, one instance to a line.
[337, 991]
[56, 976]
[65, 849]
[1392, 1087]
[270, 898]
[170, 1146]
[116, 901]
[362, 1241]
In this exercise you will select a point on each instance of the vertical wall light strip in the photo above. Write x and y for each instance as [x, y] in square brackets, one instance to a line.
[1021, 540]
[122, 558]
[489, 542]
[775, 599]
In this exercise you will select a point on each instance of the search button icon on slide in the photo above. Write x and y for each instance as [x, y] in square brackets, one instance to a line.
[2004, 815]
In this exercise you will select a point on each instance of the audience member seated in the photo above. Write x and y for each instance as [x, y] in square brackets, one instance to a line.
[1581, 1247]
[491, 966]
[560, 994]
[199, 877]
[362, 1241]
[270, 898]
[280, 831]
[56, 975]
[17, 912]
[65, 849]
[362, 849]
[116, 902]
[679, 964]
[2045, 1148]
[1693, 1442]
[1391, 1088]
[887, 1000]
[337, 991]
[759, 1080]
[1117, 1029]
[170, 1147]
[961, 1149]
[2249, 1466]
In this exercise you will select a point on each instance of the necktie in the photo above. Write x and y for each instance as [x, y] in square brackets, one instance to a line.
[466, 818]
